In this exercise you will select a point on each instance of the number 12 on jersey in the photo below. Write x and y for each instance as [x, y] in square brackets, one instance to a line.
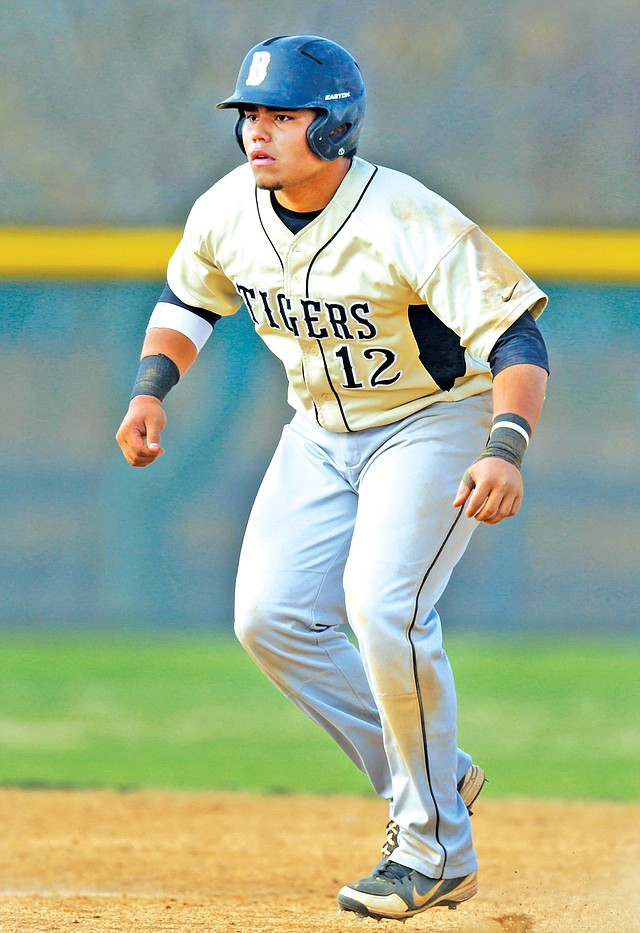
[385, 359]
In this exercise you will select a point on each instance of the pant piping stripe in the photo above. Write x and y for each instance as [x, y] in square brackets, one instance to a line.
[417, 682]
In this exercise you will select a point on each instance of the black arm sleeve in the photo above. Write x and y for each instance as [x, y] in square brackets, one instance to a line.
[521, 343]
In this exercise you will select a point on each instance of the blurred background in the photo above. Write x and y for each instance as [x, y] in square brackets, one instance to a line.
[523, 115]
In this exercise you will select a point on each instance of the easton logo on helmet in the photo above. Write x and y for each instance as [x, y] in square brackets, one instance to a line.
[337, 96]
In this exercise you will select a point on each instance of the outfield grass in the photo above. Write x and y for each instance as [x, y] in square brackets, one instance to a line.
[191, 711]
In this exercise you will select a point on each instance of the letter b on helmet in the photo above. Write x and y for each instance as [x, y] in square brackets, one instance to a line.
[258, 68]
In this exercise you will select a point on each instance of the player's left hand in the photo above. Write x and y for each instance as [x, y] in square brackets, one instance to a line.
[492, 489]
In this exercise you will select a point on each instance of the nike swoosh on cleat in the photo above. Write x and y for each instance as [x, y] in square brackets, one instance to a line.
[421, 899]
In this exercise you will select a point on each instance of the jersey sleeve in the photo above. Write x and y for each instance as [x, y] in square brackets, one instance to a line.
[193, 275]
[478, 291]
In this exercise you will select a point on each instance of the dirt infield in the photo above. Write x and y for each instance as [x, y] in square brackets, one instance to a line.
[140, 862]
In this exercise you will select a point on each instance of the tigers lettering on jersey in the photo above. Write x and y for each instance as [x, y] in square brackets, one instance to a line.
[316, 318]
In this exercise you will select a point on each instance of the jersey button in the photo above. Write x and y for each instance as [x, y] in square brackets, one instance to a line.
[325, 397]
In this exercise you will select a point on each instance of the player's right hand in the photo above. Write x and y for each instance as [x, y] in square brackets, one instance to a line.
[139, 433]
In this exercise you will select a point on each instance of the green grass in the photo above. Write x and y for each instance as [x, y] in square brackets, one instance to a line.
[550, 718]
[546, 719]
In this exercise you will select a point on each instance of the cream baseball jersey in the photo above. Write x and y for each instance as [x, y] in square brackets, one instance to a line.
[388, 301]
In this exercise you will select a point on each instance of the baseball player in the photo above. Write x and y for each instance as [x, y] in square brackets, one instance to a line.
[417, 373]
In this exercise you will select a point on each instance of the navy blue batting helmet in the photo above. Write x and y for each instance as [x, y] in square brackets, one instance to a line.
[305, 73]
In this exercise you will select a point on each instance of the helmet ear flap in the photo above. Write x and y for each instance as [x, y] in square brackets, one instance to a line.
[238, 129]
[315, 134]
[325, 142]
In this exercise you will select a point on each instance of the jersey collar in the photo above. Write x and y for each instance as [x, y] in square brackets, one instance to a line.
[329, 221]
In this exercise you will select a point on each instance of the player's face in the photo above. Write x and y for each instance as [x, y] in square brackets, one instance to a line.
[276, 145]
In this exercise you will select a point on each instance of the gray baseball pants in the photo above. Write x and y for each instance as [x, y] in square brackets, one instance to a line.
[359, 528]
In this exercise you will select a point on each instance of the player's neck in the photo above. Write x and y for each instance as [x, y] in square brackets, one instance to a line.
[313, 194]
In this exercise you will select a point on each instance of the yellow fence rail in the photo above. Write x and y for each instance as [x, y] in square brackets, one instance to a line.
[142, 253]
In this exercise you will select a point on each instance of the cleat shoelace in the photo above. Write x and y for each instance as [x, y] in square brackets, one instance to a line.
[393, 871]
[391, 842]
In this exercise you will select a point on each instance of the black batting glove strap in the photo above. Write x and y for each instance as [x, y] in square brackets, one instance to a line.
[157, 375]
[508, 440]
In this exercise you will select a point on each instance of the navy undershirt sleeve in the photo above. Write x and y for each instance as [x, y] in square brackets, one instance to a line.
[521, 343]
[169, 297]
